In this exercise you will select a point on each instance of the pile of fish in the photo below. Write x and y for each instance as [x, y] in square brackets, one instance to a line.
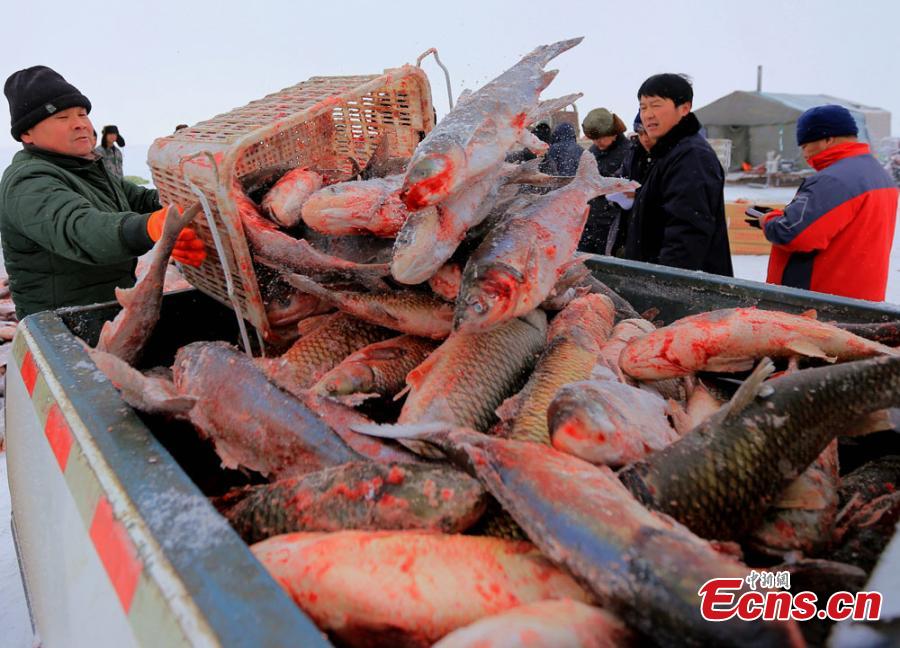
[469, 441]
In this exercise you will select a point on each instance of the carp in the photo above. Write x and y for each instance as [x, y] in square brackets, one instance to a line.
[445, 282]
[475, 136]
[408, 588]
[379, 369]
[407, 311]
[721, 477]
[732, 339]
[516, 267]
[297, 255]
[803, 517]
[361, 496]
[607, 422]
[127, 334]
[320, 350]
[250, 421]
[284, 201]
[431, 236]
[560, 624]
[574, 339]
[468, 376]
[358, 207]
[643, 567]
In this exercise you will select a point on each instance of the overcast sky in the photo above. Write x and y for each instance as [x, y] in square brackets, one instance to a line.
[147, 67]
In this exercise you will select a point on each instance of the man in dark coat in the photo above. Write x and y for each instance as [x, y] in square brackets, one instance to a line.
[678, 217]
[71, 232]
[564, 154]
[604, 232]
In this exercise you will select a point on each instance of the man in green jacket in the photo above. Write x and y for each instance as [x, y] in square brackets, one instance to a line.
[71, 233]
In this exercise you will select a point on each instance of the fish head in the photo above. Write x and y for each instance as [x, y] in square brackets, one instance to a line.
[433, 177]
[581, 424]
[351, 378]
[487, 298]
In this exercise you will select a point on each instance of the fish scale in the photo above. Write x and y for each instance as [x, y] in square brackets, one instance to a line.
[721, 477]
[320, 351]
[469, 375]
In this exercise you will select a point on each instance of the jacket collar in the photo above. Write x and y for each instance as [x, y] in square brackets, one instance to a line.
[689, 125]
[62, 160]
[829, 156]
[612, 147]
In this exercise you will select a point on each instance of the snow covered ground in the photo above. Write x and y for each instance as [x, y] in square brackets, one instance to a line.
[14, 624]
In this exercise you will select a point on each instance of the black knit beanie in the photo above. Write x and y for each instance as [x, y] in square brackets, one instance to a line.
[35, 93]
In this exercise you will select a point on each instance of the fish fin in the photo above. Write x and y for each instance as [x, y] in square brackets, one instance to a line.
[749, 389]
[530, 141]
[463, 97]
[809, 350]
[403, 392]
[124, 296]
[509, 408]
[798, 495]
[547, 107]
[810, 314]
[402, 430]
[416, 377]
[681, 420]
[728, 364]
[588, 173]
[307, 285]
[353, 400]
[547, 78]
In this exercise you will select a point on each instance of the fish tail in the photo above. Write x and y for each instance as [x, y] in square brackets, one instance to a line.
[589, 175]
[546, 53]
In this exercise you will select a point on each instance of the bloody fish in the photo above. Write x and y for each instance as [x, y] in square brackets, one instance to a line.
[445, 282]
[251, 422]
[607, 422]
[475, 136]
[320, 350]
[470, 374]
[802, 518]
[284, 201]
[733, 339]
[362, 496]
[358, 207]
[561, 624]
[407, 311]
[378, 369]
[516, 267]
[126, 335]
[721, 477]
[297, 255]
[408, 588]
[644, 567]
[574, 339]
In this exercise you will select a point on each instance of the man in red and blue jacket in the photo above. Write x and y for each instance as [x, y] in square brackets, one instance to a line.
[835, 236]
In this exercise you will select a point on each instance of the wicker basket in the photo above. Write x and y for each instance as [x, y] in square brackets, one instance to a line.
[322, 123]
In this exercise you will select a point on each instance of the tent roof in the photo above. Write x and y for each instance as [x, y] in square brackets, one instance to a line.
[742, 108]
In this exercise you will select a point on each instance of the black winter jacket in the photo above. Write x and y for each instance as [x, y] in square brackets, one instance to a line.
[678, 218]
[606, 218]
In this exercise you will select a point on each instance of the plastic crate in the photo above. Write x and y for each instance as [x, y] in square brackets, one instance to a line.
[321, 123]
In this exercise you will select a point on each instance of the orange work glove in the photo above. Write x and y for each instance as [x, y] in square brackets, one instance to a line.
[189, 249]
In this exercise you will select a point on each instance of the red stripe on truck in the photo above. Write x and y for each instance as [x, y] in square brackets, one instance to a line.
[29, 372]
[59, 436]
[117, 553]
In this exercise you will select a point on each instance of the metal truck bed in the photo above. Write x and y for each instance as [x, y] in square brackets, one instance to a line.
[119, 543]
